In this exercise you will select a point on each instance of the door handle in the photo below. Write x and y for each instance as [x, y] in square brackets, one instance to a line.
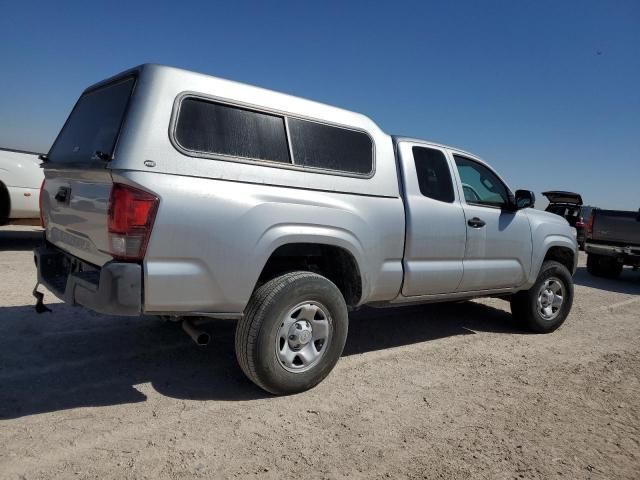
[475, 222]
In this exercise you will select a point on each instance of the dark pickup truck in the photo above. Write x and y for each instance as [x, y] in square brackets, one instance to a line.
[613, 240]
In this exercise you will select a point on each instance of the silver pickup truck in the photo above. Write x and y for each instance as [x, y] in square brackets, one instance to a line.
[177, 194]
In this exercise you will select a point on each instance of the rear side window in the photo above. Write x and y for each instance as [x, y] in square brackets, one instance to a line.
[211, 127]
[333, 148]
[434, 177]
[94, 124]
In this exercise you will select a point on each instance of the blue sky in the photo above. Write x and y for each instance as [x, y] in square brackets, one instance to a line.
[548, 92]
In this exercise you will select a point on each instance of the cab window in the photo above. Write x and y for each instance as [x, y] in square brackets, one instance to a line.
[480, 185]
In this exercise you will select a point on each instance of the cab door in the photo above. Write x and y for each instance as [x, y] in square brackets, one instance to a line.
[436, 231]
[499, 246]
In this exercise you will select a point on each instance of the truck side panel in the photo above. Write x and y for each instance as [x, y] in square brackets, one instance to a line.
[212, 238]
[435, 232]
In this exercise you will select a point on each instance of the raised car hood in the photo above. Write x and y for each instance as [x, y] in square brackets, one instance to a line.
[557, 196]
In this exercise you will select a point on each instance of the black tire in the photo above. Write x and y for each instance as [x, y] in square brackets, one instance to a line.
[603, 266]
[5, 205]
[258, 332]
[524, 305]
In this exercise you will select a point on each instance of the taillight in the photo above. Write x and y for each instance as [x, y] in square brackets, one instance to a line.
[131, 215]
[590, 226]
[40, 203]
[580, 222]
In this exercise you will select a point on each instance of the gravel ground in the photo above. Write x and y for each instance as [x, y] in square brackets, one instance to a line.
[436, 391]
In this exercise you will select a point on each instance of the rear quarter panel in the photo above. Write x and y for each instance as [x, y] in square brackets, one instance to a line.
[211, 238]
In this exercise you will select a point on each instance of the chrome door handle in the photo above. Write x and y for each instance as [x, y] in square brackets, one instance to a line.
[475, 222]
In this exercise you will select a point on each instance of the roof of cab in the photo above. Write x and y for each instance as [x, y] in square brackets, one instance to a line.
[399, 138]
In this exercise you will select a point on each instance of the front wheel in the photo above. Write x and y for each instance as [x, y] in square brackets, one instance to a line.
[293, 333]
[546, 305]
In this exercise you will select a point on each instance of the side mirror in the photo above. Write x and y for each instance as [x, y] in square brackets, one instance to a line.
[525, 199]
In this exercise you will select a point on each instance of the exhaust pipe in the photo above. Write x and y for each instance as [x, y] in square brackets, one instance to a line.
[201, 338]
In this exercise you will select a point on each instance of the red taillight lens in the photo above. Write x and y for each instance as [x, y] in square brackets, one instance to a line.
[590, 226]
[131, 215]
[40, 204]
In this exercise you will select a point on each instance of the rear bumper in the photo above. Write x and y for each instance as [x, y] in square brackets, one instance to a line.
[113, 289]
[626, 255]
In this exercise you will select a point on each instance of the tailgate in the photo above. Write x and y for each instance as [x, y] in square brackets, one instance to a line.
[75, 208]
[619, 227]
[75, 196]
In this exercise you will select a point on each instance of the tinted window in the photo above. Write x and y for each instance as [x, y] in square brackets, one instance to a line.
[333, 148]
[210, 127]
[479, 184]
[94, 124]
[433, 173]
[569, 212]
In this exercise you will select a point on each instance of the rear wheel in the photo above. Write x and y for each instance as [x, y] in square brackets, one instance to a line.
[293, 333]
[546, 305]
[603, 266]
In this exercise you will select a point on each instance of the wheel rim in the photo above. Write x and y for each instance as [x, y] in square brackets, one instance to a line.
[303, 337]
[550, 298]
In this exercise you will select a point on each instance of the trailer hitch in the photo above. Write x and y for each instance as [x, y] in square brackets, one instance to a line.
[40, 306]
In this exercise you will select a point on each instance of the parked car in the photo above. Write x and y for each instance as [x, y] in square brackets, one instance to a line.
[613, 241]
[178, 194]
[569, 206]
[20, 180]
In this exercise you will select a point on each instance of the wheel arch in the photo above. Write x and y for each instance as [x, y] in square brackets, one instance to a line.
[561, 254]
[325, 256]
[560, 248]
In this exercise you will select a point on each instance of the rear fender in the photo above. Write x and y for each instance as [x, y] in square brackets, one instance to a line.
[294, 233]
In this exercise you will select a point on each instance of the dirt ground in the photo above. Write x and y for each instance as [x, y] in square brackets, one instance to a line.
[438, 391]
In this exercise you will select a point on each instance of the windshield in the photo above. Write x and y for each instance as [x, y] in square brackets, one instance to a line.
[94, 124]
